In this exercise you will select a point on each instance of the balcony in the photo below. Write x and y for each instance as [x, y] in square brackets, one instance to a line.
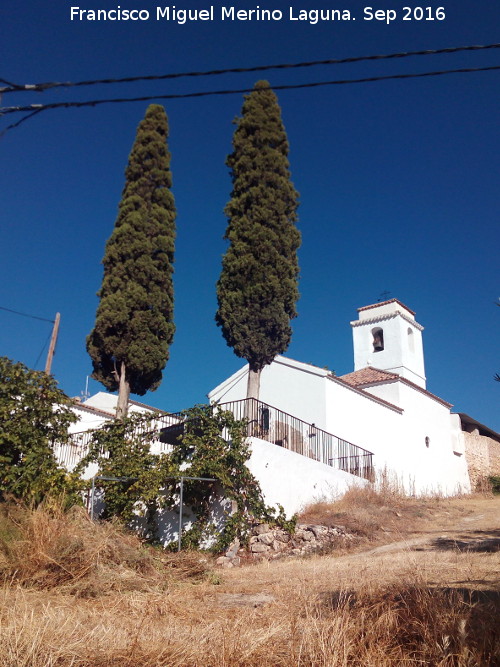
[264, 422]
[284, 430]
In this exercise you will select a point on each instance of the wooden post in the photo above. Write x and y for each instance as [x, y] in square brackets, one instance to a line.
[52, 346]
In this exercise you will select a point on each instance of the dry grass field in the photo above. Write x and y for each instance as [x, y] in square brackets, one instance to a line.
[420, 587]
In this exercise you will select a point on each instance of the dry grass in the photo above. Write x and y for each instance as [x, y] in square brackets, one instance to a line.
[49, 548]
[404, 624]
[437, 606]
[381, 513]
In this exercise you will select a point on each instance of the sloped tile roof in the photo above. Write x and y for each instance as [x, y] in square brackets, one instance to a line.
[466, 420]
[368, 375]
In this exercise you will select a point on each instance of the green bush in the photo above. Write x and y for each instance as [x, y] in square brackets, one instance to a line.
[213, 446]
[34, 415]
[494, 480]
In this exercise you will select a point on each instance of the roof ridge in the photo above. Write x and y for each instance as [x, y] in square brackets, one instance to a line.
[370, 369]
[385, 303]
[92, 408]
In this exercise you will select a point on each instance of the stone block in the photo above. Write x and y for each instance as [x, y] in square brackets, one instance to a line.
[233, 548]
[307, 536]
[318, 531]
[222, 560]
[282, 536]
[263, 528]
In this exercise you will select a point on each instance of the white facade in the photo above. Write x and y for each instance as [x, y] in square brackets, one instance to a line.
[101, 408]
[294, 481]
[386, 336]
[383, 406]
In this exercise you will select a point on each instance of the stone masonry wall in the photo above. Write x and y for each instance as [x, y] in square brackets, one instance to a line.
[483, 457]
[494, 450]
[272, 543]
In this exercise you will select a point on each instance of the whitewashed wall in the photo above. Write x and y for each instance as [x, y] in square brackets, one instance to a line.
[102, 401]
[289, 385]
[393, 424]
[364, 422]
[294, 481]
[295, 388]
[439, 467]
[87, 420]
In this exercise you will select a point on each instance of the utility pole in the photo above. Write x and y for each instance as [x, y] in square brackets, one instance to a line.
[52, 346]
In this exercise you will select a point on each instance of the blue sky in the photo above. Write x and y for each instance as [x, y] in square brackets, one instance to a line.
[398, 183]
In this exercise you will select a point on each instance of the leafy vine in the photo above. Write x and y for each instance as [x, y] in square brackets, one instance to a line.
[211, 444]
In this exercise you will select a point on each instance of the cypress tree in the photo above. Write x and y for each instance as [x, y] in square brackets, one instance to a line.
[257, 289]
[134, 321]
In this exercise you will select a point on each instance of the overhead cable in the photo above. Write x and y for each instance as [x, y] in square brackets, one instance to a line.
[42, 350]
[37, 108]
[40, 87]
[33, 317]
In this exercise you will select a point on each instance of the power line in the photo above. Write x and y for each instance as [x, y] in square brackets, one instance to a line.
[40, 87]
[42, 350]
[33, 317]
[19, 122]
[37, 108]
[14, 86]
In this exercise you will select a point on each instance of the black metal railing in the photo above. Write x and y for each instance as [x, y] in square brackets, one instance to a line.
[264, 422]
[280, 428]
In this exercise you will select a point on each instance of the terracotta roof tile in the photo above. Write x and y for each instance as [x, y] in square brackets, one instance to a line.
[367, 376]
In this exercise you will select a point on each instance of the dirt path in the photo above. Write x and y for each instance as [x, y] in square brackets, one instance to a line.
[478, 532]
[453, 543]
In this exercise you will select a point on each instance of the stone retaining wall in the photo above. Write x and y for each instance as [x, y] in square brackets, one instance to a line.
[272, 543]
[483, 457]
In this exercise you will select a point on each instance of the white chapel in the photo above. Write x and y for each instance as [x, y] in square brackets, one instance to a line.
[383, 406]
[313, 435]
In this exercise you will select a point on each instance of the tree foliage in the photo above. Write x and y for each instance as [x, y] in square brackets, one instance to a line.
[122, 450]
[213, 445]
[257, 290]
[34, 415]
[134, 322]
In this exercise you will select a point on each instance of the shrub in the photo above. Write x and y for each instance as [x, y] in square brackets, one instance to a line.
[495, 483]
[213, 446]
[34, 415]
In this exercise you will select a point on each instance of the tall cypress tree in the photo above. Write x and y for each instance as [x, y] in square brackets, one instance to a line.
[257, 289]
[134, 321]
